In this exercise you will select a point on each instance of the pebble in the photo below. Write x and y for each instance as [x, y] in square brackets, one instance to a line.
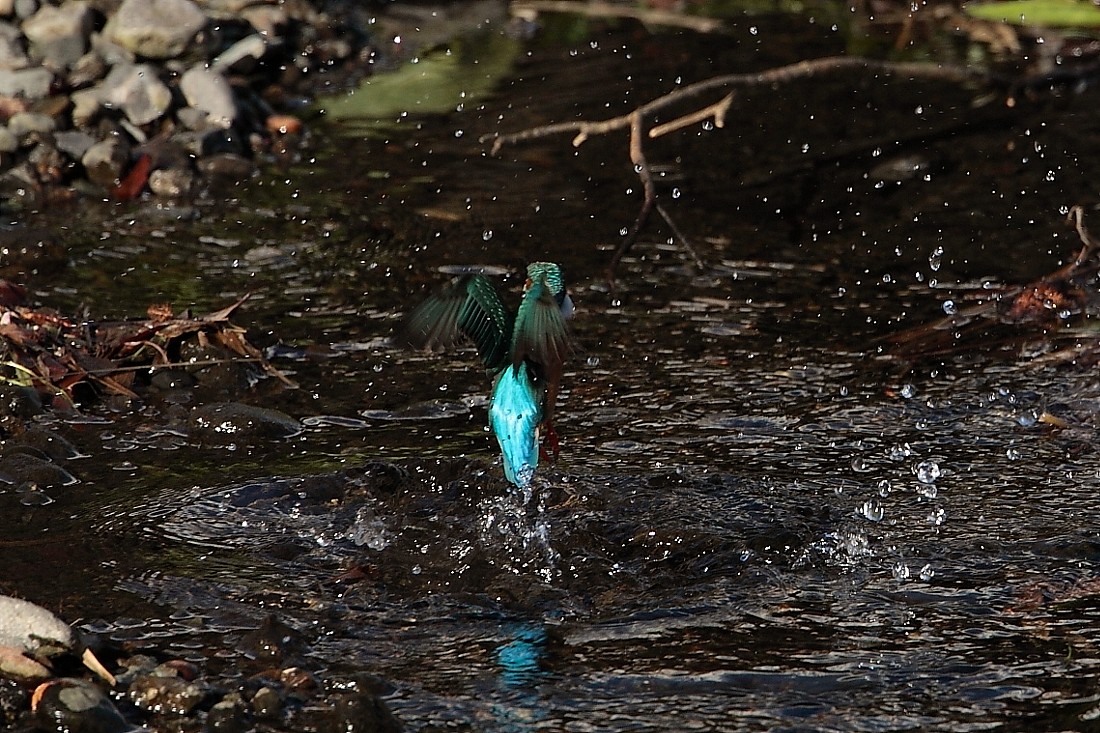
[155, 29]
[107, 77]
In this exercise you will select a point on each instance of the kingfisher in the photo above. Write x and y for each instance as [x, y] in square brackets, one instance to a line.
[523, 351]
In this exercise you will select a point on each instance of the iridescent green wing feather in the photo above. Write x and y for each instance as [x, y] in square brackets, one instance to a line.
[539, 335]
[468, 308]
[486, 322]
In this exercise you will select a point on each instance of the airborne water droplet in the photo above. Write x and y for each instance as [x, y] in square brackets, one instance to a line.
[487, 235]
[949, 307]
[927, 472]
[873, 510]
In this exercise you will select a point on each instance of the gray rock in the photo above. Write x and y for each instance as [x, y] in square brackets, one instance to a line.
[269, 20]
[172, 182]
[25, 8]
[9, 143]
[59, 35]
[7, 8]
[105, 161]
[112, 53]
[138, 92]
[86, 105]
[22, 124]
[242, 56]
[155, 29]
[88, 69]
[13, 52]
[208, 91]
[33, 83]
[73, 143]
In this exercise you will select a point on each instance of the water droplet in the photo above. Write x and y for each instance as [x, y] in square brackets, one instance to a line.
[676, 193]
[900, 571]
[927, 572]
[934, 258]
[416, 570]
[1012, 454]
[487, 235]
[873, 510]
[928, 491]
[860, 465]
[927, 472]
[949, 307]
[900, 451]
[884, 487]
[936, 517]
[377, 367]
[908, 391]
[593, 361]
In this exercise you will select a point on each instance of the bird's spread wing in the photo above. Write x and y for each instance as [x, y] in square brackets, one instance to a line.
[469, 307]
[485, 321]
[539, 335]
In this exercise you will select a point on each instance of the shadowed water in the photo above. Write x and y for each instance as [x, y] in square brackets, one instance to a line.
[757, 522]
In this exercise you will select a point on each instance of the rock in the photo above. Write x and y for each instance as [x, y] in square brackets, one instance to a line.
[59, 35]
[207, 90]
[229, 422]
[77, 705]
[266, 703]
[86, 105]
[269, 20]
[24, 123]
[160, 694]
[227, 716]
[73, 143]
[88, 69]
[155, 29]
[9, 143]
[242, 56]
[138, 92]
[105, 162]
[13, 53]
[25, 8]
[20, 468]
[172, 182]
[226, 165]
[32, 629]
[33, 83]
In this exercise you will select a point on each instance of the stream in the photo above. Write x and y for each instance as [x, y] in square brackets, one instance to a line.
[758, 521]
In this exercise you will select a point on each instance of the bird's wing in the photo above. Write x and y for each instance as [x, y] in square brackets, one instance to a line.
[485, 321]
[469, 307]
[540, 335]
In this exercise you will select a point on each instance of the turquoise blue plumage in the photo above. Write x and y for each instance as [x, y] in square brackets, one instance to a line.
[525, 352]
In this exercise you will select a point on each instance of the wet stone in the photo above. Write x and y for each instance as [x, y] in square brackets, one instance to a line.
[172, 182]
[20, 468]
[138, 92]
[227, 165]
[208, 91]
[32, 83]
[155, 29]
[106, 161]
[58, 35]
[227, 716]
[9, 143]
[159, 694]
[73, 143]
[233, 421]
[266, 703]
[23, 124]
[14, 699]
[77, 705]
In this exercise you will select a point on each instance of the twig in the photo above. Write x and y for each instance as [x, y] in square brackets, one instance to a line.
[635, 120]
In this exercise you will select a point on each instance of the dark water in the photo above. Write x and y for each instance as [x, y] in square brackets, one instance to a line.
[757, 522]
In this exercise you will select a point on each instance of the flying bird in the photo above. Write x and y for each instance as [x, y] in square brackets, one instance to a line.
[524, 352]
